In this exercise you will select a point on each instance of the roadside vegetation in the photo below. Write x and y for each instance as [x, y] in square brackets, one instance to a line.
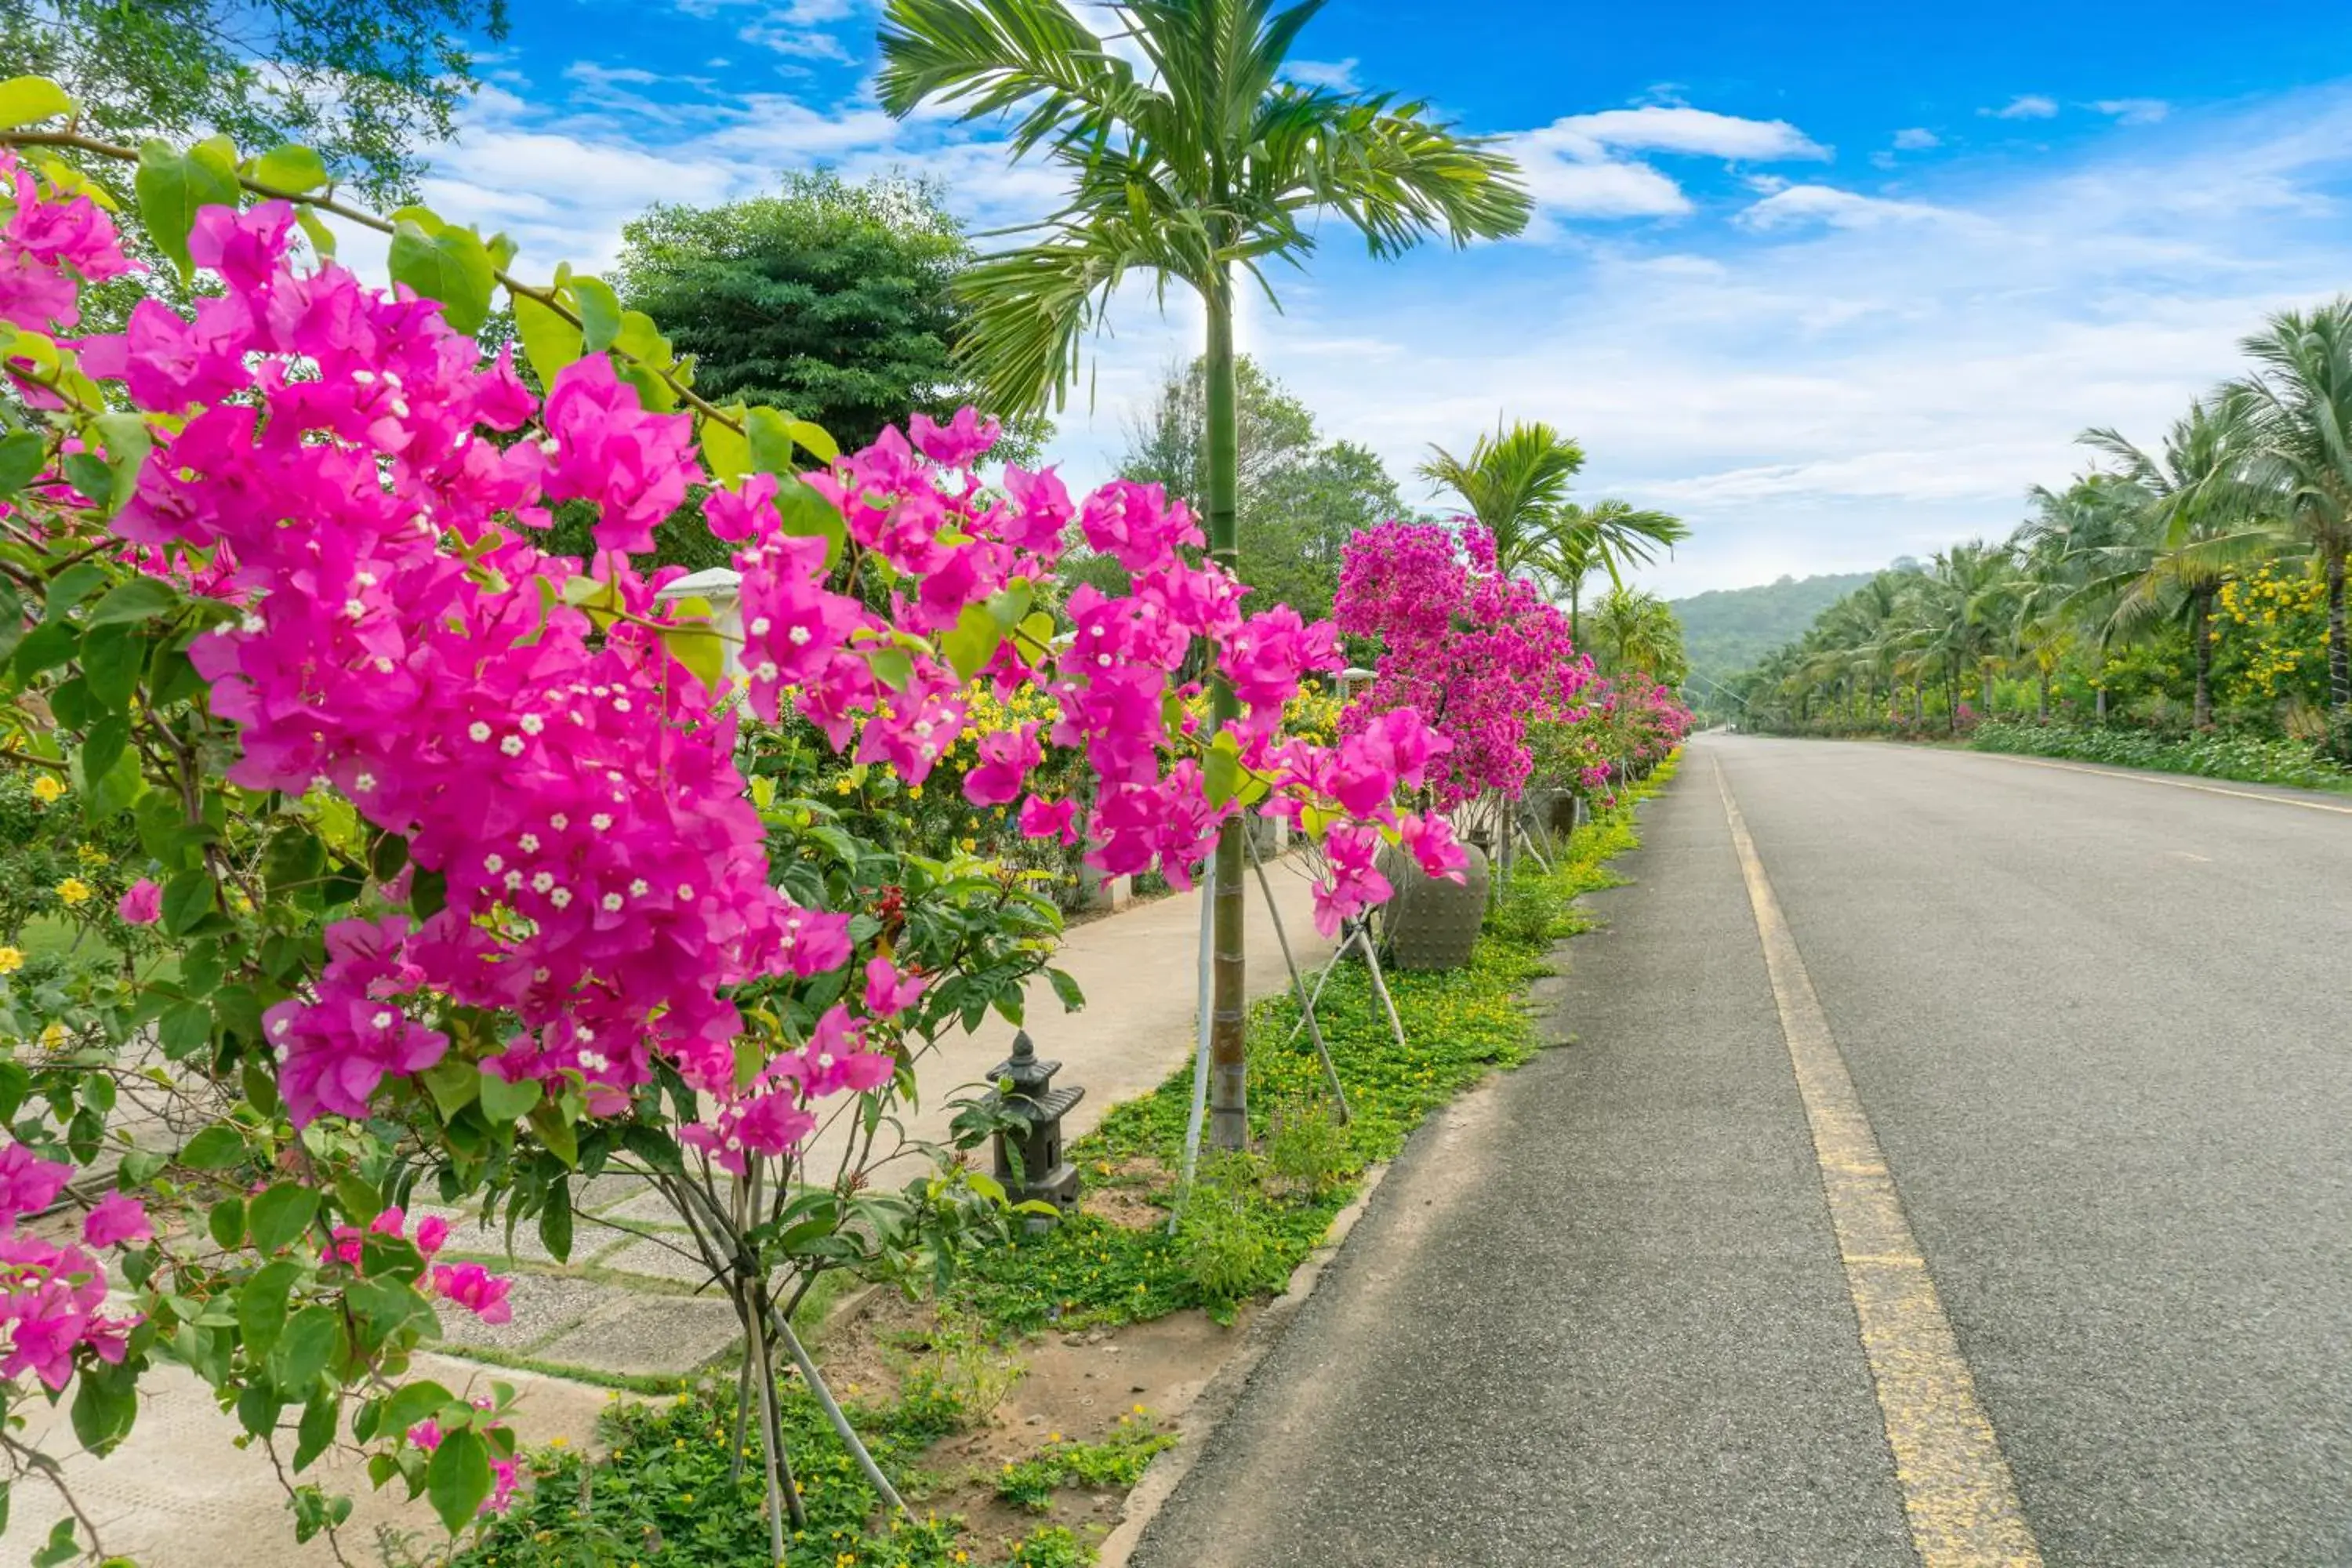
[2180, 605]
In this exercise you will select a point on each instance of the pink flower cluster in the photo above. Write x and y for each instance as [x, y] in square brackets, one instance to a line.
[49, 249]
[1478, 654]
[567, 789]
[469, 1285]
[51, 1293]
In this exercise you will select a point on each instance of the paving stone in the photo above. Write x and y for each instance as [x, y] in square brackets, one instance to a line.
[657, 1260]
[654, 1335]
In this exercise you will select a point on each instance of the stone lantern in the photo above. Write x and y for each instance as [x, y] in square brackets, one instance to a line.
[1039, 1108]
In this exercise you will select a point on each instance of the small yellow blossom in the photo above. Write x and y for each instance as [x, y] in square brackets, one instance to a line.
[53, 1038]
[73, 891]
[11, 959]
[48, 790]
[91, 855]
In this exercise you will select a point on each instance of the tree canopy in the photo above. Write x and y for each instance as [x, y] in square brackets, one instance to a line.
[1301, 498]
[361, 82]
[830, 298]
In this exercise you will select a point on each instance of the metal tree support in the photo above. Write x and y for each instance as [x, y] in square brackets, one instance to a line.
[1298, 986]
[1359, 936]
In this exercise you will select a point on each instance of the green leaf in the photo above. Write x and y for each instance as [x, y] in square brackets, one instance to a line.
[226, 1221]
[818, 440]
[103, 745]
[804, 514]
[258, 1408]
[186, 1028]
[280, 1215]
[393, 1415]
[458, 1477]
[106, 1402]
[555, 1221]
[70, 588]
[173, 186]
[503, 1102]
[140, 599]
[451, 267]
[111, 660]
[701, 650]
[21, 455]
[314, 228]
[452, 1083]
[600, 313]
[304, 1349]
[61, 1548]
[891, 666]
[770, 436]
[128, 441]
[30, 99]
[291, 169]
[428, 892]
[360, 1202]
[261, 1304]
[216, 1148]
[187, 900]
[1066, 986]
[548, 341]
[726, 451]
[1009, 603]
[316, 1430]
[973, 641]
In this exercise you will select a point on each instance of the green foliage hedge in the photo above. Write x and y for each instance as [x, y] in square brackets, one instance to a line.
[2251, 759]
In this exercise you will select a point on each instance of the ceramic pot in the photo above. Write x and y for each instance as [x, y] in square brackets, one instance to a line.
[1431, 922]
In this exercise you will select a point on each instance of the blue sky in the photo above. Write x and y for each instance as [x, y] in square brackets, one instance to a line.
[1836, 283]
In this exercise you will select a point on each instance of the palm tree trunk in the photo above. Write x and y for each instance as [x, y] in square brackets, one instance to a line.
[2339, 663]
[2041, 709]
[2200, 620]
[1575, 626]
[2101, 705]
[1986, 676]
[1228, 1059]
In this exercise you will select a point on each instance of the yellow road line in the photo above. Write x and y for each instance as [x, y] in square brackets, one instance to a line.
[1957, 1494]
[2169, 783]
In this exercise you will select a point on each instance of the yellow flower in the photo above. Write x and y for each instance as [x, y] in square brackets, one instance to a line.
[48, 790]
[559, 1441]
[53, 1038]
[91, 855]
[73, 891]
[914, 792]
[11, 959]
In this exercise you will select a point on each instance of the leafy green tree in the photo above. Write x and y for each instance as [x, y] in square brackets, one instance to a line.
[362, 82]
[1205, 162]
[833, 300]
[1300, 497]
[1638, 635]
[2301, 433]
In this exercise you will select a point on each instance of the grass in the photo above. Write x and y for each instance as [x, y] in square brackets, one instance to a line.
[1115, 1463]
[2249, 759]
[1254, 1218]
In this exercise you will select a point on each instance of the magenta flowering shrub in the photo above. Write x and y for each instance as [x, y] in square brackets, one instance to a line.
[467, 856]
[1481, 655]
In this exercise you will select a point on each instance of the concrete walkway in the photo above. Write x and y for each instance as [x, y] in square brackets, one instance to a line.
[628, 1301]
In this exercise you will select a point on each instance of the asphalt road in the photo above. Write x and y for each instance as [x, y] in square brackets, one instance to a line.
[1597, 1314]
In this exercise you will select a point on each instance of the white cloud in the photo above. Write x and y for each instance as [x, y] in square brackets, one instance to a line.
[793, 42]
[1571, 186]
[2134, 111]
[1660, 128]
[2024, 106]
[1339, 76]
[1916, 139]
[1793, 204]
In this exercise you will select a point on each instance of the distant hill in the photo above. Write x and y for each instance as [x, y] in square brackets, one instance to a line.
[1728, 629]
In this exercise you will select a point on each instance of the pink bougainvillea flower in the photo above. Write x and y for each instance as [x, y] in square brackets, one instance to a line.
[958, 443]
[142, 904]
[114, 1218]
[28, 1183]
[1043, 818]
[887, 992]
[476, 1289]
[1006, 756]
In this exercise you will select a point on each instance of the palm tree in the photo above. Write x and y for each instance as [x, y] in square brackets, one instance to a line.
[2204, 522]
[1607, 536]
[1965, 605]
[2300, 419]
[1515, 483]
[1209, 163]
[2078, 551]
[1639, 634]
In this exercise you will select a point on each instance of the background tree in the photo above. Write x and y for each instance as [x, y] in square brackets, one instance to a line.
[364, 83]
[832, 299]
[1205, 162]
[1299, 498]
[1607, 536]
[1515, 482]
[1635, 633]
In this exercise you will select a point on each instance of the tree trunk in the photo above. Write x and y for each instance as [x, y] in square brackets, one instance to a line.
[2200, 636]
[2339, 663]
[2100, 708]
[1575, 626]
[1986, 678]
[1228, 1059]
[2041, 709]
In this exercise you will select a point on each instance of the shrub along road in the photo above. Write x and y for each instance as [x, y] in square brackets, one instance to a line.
[1600, 1313]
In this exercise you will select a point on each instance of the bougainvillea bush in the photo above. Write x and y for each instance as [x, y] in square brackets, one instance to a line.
[467, 870]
